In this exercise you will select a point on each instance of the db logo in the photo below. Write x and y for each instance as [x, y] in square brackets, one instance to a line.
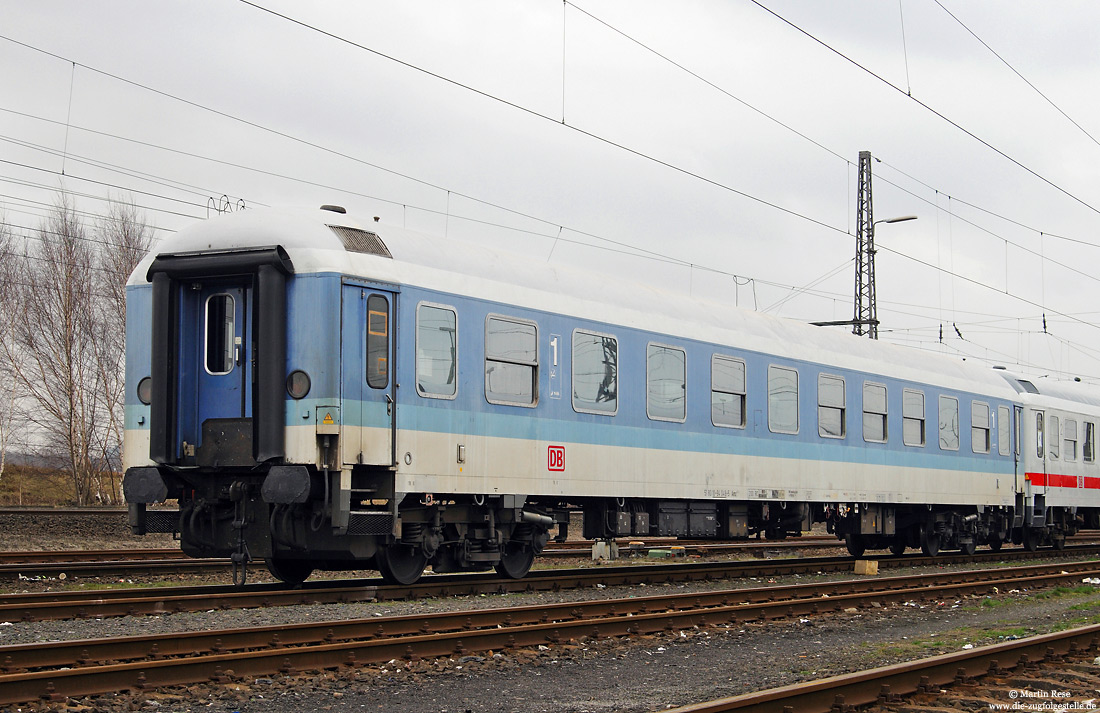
[555, 458]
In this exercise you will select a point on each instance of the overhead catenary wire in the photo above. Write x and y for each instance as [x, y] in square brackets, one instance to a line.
[1015, 71]
[926, 106]
[537, 114]
[674, 260]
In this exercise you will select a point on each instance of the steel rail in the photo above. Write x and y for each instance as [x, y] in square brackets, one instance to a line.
[113, 568]
[577, 547]
[66, 512]
[765, 602]
[50, 560]
[154, 600]
[888, 683]
[78, 556]
[371, 640]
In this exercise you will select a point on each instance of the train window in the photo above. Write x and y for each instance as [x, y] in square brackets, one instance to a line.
[1039, 450]
[1004, 430]
[595, 373]
[1088, 454]
[221, 315]
[874, 413]
[949, 423]
[1054, 435]
[782, 400]
[727, 392]
[979, 427]
[831, 421]
[666, 383]
[1069, 443]
[511, 361]
[378, 341]
[436, 351]
[912, 417]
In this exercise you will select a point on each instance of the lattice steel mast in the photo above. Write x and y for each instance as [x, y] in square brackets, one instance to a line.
[865, 318]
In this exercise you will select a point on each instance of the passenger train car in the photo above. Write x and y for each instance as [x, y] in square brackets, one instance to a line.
[324, 393]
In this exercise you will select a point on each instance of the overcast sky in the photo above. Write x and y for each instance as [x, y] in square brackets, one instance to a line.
[446, 116]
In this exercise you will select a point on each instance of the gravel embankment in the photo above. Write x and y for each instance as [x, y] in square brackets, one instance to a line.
[644, 673]
[109, 530]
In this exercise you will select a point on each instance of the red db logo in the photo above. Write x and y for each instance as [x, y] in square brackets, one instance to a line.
[555, 458]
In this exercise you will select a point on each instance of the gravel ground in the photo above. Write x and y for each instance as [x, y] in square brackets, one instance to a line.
[642, 673]
[646, 673]
[27, 531]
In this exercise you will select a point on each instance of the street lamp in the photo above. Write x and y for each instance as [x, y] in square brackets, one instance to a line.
[866, 307]
[900, 219]
[866, 318]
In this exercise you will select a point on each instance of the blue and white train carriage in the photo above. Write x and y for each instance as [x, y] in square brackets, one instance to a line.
[327, 394]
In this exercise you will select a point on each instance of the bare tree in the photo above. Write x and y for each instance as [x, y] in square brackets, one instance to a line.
[64, 344]
[7, 309]
[54, 335]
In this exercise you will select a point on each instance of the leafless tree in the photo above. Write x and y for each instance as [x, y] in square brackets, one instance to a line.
[62, 341]
[54, 359]
[66, 344]
[7, 309]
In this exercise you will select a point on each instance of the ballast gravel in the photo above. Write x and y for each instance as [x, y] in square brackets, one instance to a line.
[644, 673]
[634, 674]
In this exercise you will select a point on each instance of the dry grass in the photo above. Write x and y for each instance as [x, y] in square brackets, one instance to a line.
[30, 485]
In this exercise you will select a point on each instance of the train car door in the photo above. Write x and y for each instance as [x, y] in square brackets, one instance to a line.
[367, 379]
[1017, 445]
[215, 398]
[1037, 477]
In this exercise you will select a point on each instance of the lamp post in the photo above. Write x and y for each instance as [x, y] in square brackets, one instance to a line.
[865, 317]
[866, 308]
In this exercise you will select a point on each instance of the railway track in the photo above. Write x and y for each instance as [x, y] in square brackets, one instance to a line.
[56, 670]
[63, 512]
[26, 557]
[119, 562]
[163, 600]
[1005, 672]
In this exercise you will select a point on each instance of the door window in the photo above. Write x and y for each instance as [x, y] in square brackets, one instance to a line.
[378, 342]
[220, 334]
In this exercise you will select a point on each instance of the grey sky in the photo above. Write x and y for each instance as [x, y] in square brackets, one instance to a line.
[366, 109]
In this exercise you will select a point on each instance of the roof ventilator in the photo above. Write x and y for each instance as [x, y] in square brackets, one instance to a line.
[356, 240]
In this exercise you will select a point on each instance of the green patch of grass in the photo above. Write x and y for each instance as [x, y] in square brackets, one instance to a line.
[1076, 622]
[1057, 592]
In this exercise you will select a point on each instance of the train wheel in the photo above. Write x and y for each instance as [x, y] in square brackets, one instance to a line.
[516, 562]
[995, 544]
[856, 545]
[897, 546]
[288, 570]
[1032, 538]
[968, 548]
[1059, 543]
[400, 564]
[930, 542]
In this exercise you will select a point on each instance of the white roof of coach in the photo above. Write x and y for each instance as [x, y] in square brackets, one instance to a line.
[1065, 395]
[456, 266]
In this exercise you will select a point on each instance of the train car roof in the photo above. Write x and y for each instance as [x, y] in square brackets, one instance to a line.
[327, 241]
[1065, 395]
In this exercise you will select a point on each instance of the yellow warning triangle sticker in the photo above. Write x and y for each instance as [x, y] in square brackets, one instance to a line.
[328, 419]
